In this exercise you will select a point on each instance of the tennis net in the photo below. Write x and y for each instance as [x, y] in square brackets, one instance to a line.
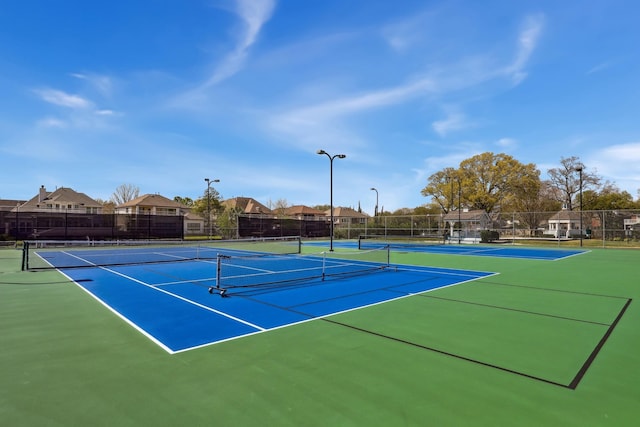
[371, 241]
[243, 274]
[52, 254]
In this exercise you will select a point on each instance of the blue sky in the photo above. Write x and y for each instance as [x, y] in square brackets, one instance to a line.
[162, 94]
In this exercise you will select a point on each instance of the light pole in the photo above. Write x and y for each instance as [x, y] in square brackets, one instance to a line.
[209, 181]
[579, 170]
[376, 211]
[459, 212]
[340, 156]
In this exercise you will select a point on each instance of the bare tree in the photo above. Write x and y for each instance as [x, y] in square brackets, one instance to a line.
[280, 206]
[566, 179]
[125, 193]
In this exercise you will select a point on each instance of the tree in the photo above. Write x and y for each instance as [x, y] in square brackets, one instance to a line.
[186, 201]
[125, 193]
[566, 179]
[440, 188]
[280, 206]
[491, 180]
[609, 198]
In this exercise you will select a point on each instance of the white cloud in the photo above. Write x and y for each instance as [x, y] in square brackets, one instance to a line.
[103, 84]
[404, 34]
[620, 163]
[527, 42]
[254, 14]
[507, 142]
[455, 121]
[58, 97]
[51, 122]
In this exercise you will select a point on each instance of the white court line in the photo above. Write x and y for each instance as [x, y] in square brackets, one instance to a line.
[197, 304]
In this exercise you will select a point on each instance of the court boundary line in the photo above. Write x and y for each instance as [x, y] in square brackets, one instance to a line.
[311, 317]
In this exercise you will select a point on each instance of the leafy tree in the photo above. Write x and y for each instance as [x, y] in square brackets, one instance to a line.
[490, 180]
[125, 193]
[566, 180]
[609, 198]
[186, 201]
[440, 188]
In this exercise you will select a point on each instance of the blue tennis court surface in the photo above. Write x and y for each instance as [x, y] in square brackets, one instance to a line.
[172, 305]
[549, 254]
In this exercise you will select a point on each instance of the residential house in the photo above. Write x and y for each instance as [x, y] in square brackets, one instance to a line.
[564, 223]
[304, 212]
[155, 204]
[63, 199]
[470, 223]
[246, 205]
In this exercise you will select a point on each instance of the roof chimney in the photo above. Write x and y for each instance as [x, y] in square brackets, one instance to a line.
[42, 194]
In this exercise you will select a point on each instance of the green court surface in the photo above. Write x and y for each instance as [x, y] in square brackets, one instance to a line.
[542, 343]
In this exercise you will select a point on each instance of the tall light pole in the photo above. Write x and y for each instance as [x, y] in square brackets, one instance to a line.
[209, 181]
[340, 156]
[376, 211]
[579, 170]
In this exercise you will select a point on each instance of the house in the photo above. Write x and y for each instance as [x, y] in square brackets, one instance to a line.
[470, 223]
[10, 205]
[633, 221]
[304, 212]
[564, 223]
[152, 204]
[155, 204]
[343, 217]
[246, 205]
[63, 199]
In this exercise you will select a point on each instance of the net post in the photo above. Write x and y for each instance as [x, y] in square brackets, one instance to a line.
[25, 255]
[324, 260]
[388, 255]
[218, 270]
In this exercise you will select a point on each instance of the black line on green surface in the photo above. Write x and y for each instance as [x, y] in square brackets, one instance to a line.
[564, 291]
[596, 350]
[446, 353]
[535, 313]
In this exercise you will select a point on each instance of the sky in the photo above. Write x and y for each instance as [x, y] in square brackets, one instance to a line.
[163, 94]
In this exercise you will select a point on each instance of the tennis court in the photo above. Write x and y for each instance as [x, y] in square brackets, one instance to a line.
[184, 297]
[420, 245]
[447, 339]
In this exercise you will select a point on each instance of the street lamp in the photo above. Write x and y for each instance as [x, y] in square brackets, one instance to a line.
[376, 211]
[579, 170]
[340, 156]
[209, 181]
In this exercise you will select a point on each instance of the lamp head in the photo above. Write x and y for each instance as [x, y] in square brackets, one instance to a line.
[321, 152]
[341, 156]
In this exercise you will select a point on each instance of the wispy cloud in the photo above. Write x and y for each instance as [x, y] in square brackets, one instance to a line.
[63, 99]
[402, 35]
[527, 42]
[600, 67]
[103, 84]
[324, 121]
[454, 121]
[253, 14]
[507, 142]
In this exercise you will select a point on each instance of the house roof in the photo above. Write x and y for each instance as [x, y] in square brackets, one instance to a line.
[565, 215]
[246, 205]
[152, 200]
[8, 205]
[474, 215]
[62, 195]
[346, 212]
[303, 210]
